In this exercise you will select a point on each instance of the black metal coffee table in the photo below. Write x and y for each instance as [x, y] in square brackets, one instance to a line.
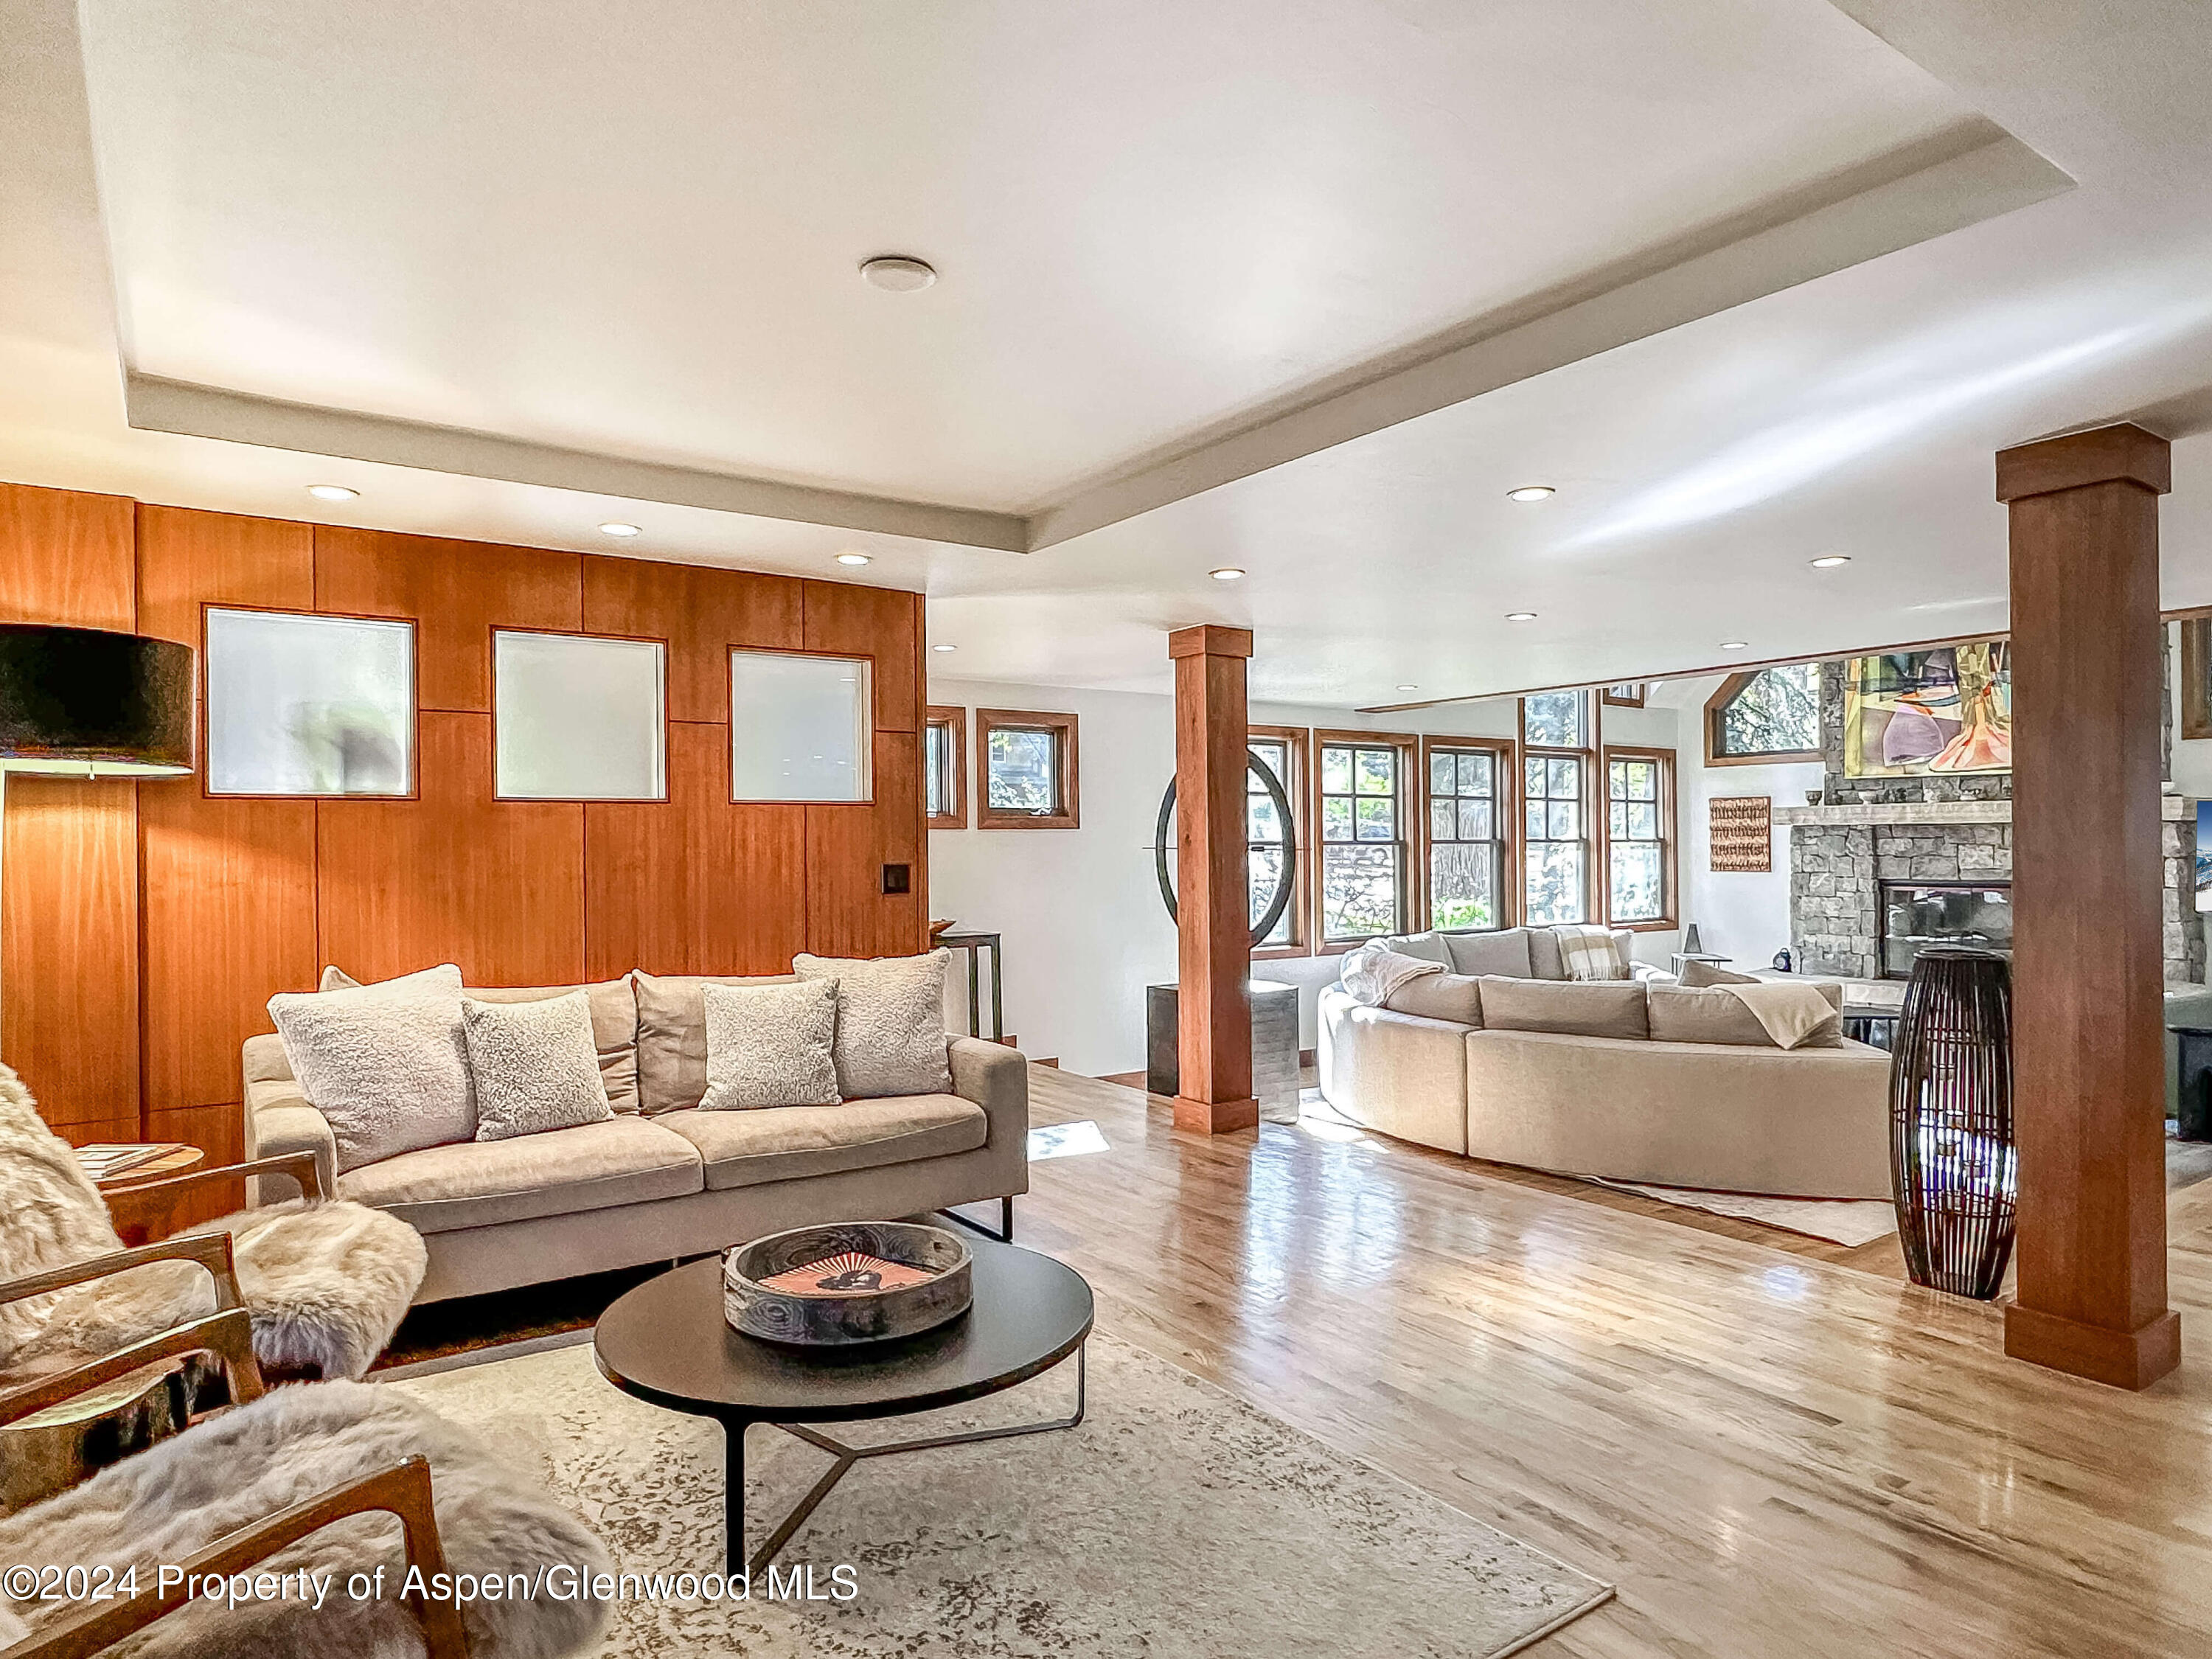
[668, 1342]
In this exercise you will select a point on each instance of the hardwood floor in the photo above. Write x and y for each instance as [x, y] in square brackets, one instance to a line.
[1770, 1453]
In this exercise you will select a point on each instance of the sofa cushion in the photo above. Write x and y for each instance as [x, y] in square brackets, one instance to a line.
[614, 1028]
[770, 1045]
[891, 1022]
[534, 1065]
[1712, 1014]
[385, 1064]
[479, 1183]
[1571, 1007]
[786, 1143]
[1505, 953]
[1429, 947]
[1455, 997]
[672, 1034]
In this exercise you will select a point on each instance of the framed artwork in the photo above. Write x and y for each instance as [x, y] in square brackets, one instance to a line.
[1907, 713]
[1740, 834]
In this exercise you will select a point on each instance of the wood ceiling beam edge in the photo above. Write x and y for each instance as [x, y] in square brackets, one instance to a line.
[155, 404]
[1967, 174]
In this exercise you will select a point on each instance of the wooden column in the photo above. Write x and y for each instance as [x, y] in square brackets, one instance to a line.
[2086, 964]
[1214, 1013]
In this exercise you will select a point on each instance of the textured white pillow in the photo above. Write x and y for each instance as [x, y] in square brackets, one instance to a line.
[534, 1065]
[891, 1022]
[770, 1045]
[385, 1064]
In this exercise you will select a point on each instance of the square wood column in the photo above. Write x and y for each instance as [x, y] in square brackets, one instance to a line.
[2088, 973]
[1214, 928]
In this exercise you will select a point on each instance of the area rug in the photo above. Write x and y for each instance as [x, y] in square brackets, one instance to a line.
[1840, 1220]
[1176, 1522]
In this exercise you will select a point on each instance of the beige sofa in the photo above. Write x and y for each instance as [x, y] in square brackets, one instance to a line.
[1805, 1123]
[662, 1178]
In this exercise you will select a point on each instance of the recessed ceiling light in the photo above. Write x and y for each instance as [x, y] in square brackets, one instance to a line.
[1530, 493]
[944, 648]
[852, 558]
[1735, 645]
[623, 530]
[899, 273]
[1228, 573]
[1406, 685]
[1830, 561]
[333, 492]
[1520, 615]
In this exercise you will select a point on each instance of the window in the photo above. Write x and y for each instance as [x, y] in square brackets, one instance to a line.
[1639, 836]
[1029, 780]
[1282, 750]
[1767, 715]
[800, 727]
[1630, 695]
[577, 717]
[298, 704]
[1555, 733]
[1362, 863]
[1467, 835]
[945, 768]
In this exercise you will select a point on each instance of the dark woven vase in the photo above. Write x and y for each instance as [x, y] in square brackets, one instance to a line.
[1951, 1156]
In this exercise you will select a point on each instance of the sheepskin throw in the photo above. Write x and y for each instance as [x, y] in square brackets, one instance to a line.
[386, 1065]
[532, 1065]
[891, 1022]
[231, 1471]
[51, 1214]
[771, 1045]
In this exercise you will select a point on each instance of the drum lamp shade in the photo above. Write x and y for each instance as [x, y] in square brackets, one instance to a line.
[88, 702]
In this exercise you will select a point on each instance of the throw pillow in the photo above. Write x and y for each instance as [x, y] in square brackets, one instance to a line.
[672, 1035]
[1682, 1013]
[1603, 1008]
[614, 1027]
[1429, 947]
[891, 1024]
[1452, 997]
[771, 1045]
[386, 1065]
[1698, 975]
[1476, 954]
[534, 1065]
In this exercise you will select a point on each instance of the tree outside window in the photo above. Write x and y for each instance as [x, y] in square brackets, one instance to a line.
[1467, 831]
[1362, 863]
[1639, 806]
[1771, 713]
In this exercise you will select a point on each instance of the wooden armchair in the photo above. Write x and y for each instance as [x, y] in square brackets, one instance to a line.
[149, 1207]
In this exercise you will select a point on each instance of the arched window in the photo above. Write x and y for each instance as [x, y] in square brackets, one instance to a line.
[1769, 715]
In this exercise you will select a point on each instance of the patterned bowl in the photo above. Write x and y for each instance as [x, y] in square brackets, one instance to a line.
[848, 1282]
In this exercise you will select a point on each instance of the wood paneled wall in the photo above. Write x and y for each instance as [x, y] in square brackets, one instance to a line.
[145, 925]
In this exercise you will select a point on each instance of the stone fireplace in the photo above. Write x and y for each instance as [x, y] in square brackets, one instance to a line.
[1932, 832]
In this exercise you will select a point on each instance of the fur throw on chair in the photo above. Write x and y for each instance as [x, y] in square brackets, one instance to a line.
[325, 1283]
[245, 1465]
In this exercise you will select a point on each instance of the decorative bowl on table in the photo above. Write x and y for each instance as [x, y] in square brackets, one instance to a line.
[846, 1282]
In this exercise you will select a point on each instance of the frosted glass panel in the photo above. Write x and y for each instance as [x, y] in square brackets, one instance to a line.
[299, 705]
[579, 719]
[799, 728]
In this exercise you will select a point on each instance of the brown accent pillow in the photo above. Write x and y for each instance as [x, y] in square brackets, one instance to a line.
[1710, 1014]
[1505, 952]
[1455, 997]
[672, 1034]
[1698, 975]
[1571, 1007]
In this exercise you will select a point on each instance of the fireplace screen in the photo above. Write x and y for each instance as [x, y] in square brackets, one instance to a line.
[1918, 913]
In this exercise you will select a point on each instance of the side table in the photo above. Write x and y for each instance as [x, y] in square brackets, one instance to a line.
[974, 944]
[175, 1161]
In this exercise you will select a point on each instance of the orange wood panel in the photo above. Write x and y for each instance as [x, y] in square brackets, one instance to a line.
[454, 876]
[220, 1129]
[229, 922]
[701, 613]
[69, 930]
[110, 1131]
[65, 557]
[455, 592]
[847, 912]
[882, 623]
[694, 885]
[188, 558]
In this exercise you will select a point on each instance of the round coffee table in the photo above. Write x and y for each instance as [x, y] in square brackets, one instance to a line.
[668, 1342]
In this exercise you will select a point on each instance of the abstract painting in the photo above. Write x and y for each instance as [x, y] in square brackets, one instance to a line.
[1910, 713]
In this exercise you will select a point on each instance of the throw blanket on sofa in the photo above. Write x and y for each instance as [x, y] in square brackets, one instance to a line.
[1790, 1013]
[1372, 972]
[1590, 953]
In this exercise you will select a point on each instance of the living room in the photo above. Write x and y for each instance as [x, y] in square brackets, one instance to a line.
[1169, 829]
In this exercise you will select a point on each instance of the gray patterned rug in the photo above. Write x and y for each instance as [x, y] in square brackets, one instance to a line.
[1176, 1523]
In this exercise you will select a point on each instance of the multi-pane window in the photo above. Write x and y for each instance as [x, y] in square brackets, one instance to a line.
[1555, 827]
[1269, 835]
[1362, 840]
[1638, 822]
[945, 768]
[1467, 838]
[1771, 713]
[1556, 719]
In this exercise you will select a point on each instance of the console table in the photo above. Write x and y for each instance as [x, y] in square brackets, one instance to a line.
[974, 944]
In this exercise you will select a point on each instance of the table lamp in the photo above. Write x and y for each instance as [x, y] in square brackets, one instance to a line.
[85, 702]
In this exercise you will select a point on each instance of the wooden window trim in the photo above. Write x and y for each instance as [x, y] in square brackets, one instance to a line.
[1605, 696]
[955, 721]
[1717, 704]
[1594, 871]
[1670, 821]
[204, 764]
[1506, 755]
[988, 721]
[1296, 744]
[2196, 661]
[1591, 706]
[1412, 888]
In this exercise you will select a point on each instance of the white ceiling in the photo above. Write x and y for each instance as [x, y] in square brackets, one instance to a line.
[1165, 230]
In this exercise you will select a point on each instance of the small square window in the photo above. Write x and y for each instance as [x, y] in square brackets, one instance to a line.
[579, 718]
[1030, 779]
[300, 704]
